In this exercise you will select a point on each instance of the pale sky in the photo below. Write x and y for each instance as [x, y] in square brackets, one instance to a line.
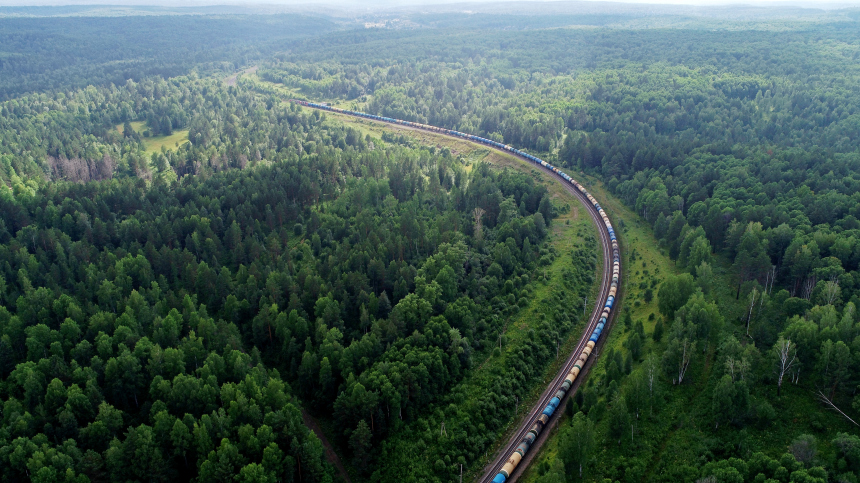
[827, 4]
[809, 3]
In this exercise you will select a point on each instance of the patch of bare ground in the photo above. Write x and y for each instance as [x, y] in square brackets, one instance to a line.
[231, 80]
[330, 455]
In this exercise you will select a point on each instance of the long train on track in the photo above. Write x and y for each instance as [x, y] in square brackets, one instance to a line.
[515, 456]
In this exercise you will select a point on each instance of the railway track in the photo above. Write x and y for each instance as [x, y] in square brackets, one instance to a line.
[493, 469]
[512, 460]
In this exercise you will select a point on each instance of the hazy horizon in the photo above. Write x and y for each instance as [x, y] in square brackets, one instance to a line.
[820, 4]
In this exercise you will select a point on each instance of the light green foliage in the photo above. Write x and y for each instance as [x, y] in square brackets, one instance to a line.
[731, 400]
[702, 315]
[674, 292]
[576, 442]
[555, 474]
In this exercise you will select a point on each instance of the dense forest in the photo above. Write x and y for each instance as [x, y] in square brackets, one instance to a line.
[739, 151]
[178, 316]
[39, 54]
[181, 312]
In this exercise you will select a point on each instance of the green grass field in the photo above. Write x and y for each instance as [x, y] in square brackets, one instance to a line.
[155, 143]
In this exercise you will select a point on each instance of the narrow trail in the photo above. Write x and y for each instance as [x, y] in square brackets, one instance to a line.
[231, 80]
[330, 455]
[700, 386]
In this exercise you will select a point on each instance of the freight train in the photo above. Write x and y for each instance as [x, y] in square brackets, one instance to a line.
[517, 455]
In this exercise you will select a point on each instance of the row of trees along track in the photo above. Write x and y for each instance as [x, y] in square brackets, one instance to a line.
[516, 455]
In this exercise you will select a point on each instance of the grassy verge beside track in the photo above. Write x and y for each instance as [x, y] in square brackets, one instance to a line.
[644, 273]
[675, 441]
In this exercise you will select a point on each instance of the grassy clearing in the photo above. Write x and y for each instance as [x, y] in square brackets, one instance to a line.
[271, 87]
[136, 126]
[155, 143]
[296, 92]
[651, 264]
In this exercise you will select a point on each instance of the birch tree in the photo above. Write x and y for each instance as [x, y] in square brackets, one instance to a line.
[786, 357]
[651, 372]
[831, 291]
[651, 366]
[732, 365]
[687, 348]
[678, 356]
[752, 300]
[478, 214]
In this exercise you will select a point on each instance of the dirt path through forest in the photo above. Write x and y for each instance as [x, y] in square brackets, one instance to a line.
[231, 81]
[329, 451]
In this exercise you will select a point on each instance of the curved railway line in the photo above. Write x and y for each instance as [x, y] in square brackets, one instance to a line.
[514, 456]
[502, 458]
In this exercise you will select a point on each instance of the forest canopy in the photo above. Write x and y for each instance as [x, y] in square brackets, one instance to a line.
[191, 267]
[346, 266]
